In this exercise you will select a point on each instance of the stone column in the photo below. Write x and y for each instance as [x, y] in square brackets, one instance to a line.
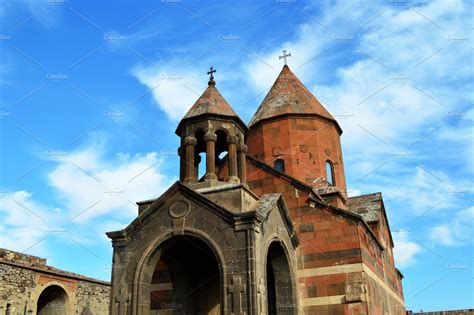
[182, 169]
[210, 139]
[190, 175]
[232, 142]
[243, 149]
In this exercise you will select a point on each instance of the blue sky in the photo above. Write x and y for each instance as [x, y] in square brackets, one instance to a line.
[91, 93]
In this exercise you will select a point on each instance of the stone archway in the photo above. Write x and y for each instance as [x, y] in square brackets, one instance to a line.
[185, 279]
[53, 300]
[280, 291]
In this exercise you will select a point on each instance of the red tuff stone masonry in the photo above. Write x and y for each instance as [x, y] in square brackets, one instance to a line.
[345, 260]
[292, 125]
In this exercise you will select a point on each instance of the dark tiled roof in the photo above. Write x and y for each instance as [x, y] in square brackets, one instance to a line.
[367, 206]
[288, 95]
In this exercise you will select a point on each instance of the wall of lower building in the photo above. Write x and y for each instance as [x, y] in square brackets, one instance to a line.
[383, 282]
[341, 267]
[21, 286]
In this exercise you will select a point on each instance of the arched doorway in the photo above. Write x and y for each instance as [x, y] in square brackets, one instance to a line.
[280, 299]
[52, 301]
[186, 279]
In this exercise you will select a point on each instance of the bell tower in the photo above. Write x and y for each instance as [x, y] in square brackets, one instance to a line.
[295, 134]
[212, 127]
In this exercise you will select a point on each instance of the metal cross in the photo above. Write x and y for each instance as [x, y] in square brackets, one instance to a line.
[284, 56]
[211, 73]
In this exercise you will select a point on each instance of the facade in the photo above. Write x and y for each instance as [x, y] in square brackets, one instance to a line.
[268, 228]
[29, 286]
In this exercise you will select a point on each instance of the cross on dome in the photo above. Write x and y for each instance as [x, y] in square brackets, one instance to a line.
[285, 55]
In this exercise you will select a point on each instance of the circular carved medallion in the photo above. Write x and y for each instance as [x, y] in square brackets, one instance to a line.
[304, 148]
[179, 209]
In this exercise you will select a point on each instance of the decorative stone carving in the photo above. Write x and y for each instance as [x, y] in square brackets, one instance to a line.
[232, 140]
[189, 141]
[243, 148]
[179, 209]
[277, 150]
[304, 148]
[210, 136]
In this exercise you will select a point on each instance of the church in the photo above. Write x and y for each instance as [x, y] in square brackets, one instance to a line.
[259, 222]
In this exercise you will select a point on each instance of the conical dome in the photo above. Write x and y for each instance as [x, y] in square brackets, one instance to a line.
[289, 96]
[211, 103]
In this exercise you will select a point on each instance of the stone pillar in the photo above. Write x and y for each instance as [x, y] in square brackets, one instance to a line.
[232, 142]
[182, 169]
[190, 175]
[210, 139]
[243, 149]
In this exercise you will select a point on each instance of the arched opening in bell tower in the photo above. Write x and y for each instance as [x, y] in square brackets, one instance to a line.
[186, 279]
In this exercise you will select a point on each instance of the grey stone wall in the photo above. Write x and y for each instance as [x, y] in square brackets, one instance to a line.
[23, 278]
[16, 286]
[92, 298]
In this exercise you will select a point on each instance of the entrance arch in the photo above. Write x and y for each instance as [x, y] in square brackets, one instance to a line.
[52, 301]
[280, 291]
[186, 278]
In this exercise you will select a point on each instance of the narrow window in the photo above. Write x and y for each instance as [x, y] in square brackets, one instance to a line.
[279, 165]
[330, 173]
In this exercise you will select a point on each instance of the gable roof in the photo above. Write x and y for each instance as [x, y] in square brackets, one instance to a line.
[367, 206]
[261, 210]
[147, 207]
[370, 207]
[288, 95]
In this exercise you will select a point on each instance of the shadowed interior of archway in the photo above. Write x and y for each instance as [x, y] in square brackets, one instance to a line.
[186, 279]
[52, 301]
[279, 286]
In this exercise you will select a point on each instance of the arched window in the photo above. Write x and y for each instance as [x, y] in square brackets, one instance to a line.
[279, 165]
[330, 173]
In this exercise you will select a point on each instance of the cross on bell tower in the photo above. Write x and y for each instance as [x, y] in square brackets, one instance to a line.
[285, 55]
[211, 76]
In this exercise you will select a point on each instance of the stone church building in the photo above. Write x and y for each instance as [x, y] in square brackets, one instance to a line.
[267, 229]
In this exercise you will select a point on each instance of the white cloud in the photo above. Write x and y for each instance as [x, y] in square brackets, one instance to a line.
[456, 231]
[405, 249]
[442, 234]
[24, 222]
[92, 186]
[174, 92]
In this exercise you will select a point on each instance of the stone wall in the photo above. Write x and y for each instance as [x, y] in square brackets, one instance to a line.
[16, 286]
[92, 298]
[23, 279]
